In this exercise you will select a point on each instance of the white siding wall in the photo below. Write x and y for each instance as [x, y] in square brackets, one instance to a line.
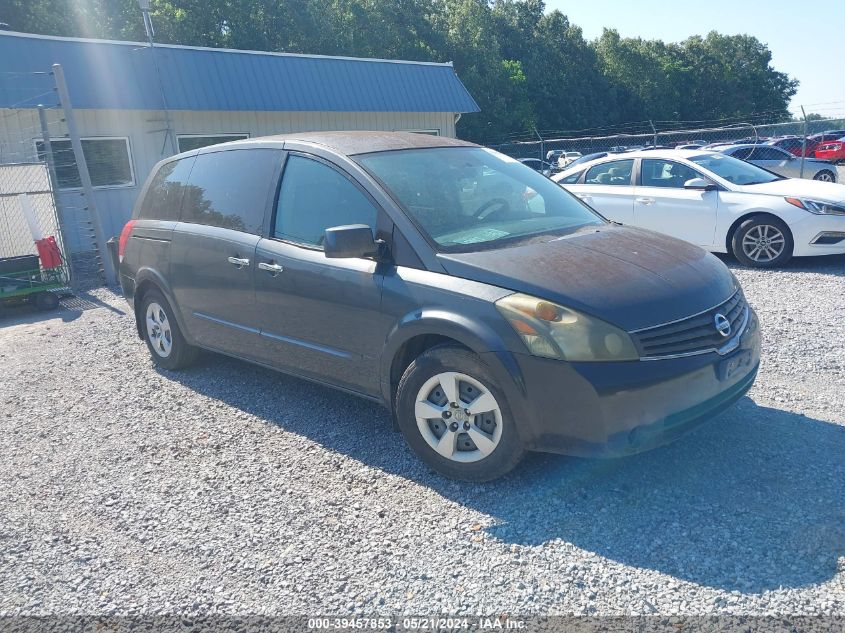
[19, 130]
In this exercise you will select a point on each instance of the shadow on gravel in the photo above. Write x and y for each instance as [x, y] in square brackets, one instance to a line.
[823, 265]
[71, 307]
[754, 500]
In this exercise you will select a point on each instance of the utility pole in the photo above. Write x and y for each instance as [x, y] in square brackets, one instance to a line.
[148, 27]
[804, 141]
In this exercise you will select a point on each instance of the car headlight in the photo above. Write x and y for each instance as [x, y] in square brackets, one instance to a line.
[553, 331]
[817, 207]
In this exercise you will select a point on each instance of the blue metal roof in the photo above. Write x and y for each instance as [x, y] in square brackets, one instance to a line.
[121, 75]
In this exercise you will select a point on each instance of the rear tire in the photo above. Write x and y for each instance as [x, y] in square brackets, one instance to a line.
[825, 175]
[162, 335]
[763, 241]
[455, 417]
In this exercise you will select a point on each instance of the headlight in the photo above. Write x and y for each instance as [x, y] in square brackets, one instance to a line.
[552, 331]
[817, 207]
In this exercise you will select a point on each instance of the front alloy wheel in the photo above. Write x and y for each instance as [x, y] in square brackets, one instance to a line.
[762, 242]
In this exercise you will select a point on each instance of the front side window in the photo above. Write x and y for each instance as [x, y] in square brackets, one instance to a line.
[616, 172]
[109, 164]
[767, 153]
[315, 197]
[733, 170]
[230, 189]
[665, 173]
[187, 142]
[467, 198]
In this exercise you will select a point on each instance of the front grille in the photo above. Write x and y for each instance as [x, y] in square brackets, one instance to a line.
[694, 335]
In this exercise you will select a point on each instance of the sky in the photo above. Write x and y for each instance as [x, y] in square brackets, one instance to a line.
[805, 39]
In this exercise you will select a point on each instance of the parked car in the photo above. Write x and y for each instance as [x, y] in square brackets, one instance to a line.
[794, 145]
[715, 201]
[690, 146]
[834, 151]
[782, 162]
[587, 158]
[566, 158]
[538, 165]
[486, 307]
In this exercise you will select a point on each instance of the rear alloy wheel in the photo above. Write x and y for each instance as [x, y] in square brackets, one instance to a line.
[164, 339]
[454, 416]
[825, 176]
[762, 242]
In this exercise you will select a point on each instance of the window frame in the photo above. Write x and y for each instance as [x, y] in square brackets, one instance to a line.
[382, 218]
[129, 155]
[632, 181]
[236, 136]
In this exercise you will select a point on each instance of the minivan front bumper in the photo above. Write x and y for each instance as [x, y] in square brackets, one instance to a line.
[615, 409]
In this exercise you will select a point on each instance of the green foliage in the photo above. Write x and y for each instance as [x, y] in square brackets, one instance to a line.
[528, 70]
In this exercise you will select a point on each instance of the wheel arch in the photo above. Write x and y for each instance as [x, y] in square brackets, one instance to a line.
[748, 216]
[424, 329]
[148, 279]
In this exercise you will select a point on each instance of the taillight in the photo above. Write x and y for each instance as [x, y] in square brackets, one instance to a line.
[124, 237]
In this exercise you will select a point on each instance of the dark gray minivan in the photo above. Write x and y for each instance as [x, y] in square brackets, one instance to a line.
[490, 310]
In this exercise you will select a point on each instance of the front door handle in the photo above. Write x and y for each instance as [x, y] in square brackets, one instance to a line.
[240, 262]
[271, 267]
[646, 200]
[583, 196]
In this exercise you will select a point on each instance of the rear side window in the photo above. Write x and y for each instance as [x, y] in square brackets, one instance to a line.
[616, 172]
[164, 195]
[230, 189]
[571, 179]
[315, 197]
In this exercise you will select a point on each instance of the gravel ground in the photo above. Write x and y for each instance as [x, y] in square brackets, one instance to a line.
[230, 489]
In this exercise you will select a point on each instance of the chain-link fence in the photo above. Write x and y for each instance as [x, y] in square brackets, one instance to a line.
[35, 131]
[810, 138]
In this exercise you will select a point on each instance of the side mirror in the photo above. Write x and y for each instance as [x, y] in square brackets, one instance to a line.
[352, 240]
[700, 184]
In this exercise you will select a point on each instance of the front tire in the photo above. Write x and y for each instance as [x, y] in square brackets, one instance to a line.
[164, 339]
[763, 241]
[825, 175]
[455, 417]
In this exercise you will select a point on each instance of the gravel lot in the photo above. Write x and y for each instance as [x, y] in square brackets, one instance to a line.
[231, 489]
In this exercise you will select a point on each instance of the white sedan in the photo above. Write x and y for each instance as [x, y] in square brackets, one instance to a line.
[720, 203]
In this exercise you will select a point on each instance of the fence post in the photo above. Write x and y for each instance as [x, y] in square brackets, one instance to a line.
[84, 176]
[803, 142]
[653, 129]
[54, 186]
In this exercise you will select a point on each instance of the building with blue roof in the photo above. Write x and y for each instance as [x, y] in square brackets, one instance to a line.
[135, 105]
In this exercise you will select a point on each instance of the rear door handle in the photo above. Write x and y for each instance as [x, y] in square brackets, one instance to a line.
[270, 267]
[240, 262]
[646, 200]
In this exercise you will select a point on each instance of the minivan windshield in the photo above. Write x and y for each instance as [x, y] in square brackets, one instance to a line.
[468, 198]
[734, 170]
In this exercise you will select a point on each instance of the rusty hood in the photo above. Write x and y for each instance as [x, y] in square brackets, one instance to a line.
[630, 277]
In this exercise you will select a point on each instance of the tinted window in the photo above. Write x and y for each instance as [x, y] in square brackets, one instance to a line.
[665, 173]
[230, 189]
[164, 196]
[617, 172]
[315, 197]
[742, 153]
[766, 153]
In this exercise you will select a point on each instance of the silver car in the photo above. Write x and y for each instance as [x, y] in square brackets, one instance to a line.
[781, 162]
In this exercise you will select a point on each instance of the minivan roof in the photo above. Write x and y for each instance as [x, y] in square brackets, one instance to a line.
[359, 141]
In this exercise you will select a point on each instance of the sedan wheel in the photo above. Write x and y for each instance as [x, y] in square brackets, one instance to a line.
[763, 241]
[825, 176]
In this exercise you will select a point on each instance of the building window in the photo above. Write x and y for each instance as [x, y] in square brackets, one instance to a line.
[433, 132]
[108, 159]
[187, 142]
